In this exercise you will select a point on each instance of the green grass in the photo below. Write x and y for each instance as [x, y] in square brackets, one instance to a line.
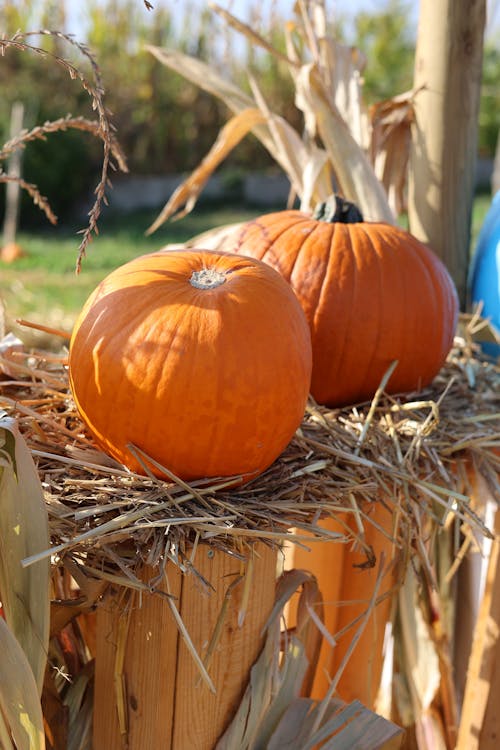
[43, 287]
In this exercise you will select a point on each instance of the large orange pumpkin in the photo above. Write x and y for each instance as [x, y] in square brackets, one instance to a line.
[371, 293]
[200, 359]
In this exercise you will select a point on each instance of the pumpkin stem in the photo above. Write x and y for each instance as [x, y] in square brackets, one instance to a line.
[337, 209]
[207, 278]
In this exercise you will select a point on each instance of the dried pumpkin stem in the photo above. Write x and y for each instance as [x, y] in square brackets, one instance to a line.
[207, 278]
[338, 210]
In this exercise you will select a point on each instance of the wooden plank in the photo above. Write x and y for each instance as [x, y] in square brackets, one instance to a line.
[149, 670]
[167, 704]
[201, 716]
[480, 720]
[325, 560]
[12, 190]
[447, 80]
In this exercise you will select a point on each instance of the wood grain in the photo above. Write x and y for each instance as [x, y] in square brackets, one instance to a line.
[168, 705]
[325, 560]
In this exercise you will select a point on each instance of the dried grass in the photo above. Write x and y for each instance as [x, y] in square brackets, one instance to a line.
[407, 452]
[414, 453]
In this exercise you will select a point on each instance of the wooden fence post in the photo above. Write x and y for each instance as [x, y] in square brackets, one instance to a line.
[141, 654]
[14, 170]
[448, 67]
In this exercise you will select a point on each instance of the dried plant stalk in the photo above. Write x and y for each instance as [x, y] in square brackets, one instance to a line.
[328, 91]
[103, 129]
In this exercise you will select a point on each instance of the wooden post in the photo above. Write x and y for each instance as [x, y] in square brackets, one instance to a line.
[346, 589]
[480, 720]
[167, 704]
[325, 560]
[448, 66]
[358, 585]
[495, 178]
[14, 170]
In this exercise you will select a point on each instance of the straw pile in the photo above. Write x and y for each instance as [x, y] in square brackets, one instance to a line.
[411, 453]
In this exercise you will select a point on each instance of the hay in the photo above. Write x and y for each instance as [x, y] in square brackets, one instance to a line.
[410, 453]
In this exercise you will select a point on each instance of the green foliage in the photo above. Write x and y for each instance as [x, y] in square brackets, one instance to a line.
[42, 286]
[165, 124]
[385, 37]
[489, 111]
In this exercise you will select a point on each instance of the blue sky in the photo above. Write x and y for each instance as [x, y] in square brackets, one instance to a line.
[240, 8]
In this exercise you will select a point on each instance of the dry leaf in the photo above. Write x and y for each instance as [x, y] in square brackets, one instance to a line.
[213, 239]
[272, 716]
[294, 156]
[186, 194]
[391, 123]
[354, 173]
[20, 709]
[24, 531]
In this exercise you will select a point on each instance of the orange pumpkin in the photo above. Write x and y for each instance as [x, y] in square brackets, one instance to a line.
[201, 359]
[371, 293]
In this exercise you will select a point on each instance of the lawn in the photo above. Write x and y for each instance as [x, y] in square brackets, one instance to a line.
[44, 288]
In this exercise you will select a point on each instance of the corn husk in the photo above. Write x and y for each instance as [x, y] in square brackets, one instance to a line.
[24, 592]
[21, 720]
[327, 91]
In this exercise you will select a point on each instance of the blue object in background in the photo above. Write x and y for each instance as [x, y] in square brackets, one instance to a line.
[485, 272]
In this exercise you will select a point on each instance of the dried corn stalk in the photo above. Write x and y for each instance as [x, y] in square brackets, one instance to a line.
[335, 151]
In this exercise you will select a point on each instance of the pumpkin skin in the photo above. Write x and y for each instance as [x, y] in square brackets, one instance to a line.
[209, 382]
[371, 294]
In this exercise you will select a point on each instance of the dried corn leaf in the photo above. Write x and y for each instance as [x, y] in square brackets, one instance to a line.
[204, 76]
[243, 729]
[79, 699]
[340, 65]
[81, 731]
[186, 194]
[284, 144]
[212, 239]
[292, 673]
[304, 163]
[328, 91]
[247, 31]
[23, 532]
[418, 673]
[391, 122]
[342, 69]
[355, 175]
[292, 726]
[272, 716]
[20, 710]
[5, 736]
[354, 726]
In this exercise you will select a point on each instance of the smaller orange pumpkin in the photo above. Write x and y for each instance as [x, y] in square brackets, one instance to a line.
[201, 359]
[372, 293]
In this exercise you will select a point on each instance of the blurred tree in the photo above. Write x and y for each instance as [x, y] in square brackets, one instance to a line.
[388, 42]
[489, 110]
[164, 124]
